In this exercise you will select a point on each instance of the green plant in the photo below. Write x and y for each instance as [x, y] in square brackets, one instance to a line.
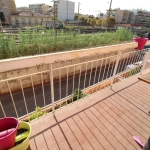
[132, 72]
[99, 22]
[57, 106]
[32, 43]
[69, 101]
[38, 113]
[89, 20]
[78, 94]
[103, 22]
[93, 22]
[76, 17]
[111, 22]
[81, 18]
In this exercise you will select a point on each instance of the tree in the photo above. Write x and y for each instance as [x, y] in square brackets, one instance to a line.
[53, 18]
[91, 16]
[89, 20]
[99, 22]
[93, 22]
[76, 17]
[85, 20]
[81, 18]
[103, 22]
[111, 22]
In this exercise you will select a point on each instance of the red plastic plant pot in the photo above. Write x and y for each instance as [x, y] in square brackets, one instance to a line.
[8, 131]
[141, 42]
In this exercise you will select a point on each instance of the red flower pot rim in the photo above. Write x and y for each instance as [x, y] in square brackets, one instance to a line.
[140, 38]
[13, 130]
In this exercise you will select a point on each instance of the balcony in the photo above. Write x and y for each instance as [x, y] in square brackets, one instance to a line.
[107, 119]
[111, 105]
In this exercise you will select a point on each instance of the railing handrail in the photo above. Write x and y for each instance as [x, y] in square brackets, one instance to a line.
[25, 76]
[41, 72]
[104, 76]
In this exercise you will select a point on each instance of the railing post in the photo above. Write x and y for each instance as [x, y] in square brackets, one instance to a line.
[52, 88]
[115, 69]
[145, 59]
[2, 109]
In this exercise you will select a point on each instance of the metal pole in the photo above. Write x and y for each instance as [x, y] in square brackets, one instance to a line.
[2, 109]
[145, 59]
[52, 89]
[12, 99]
[54, 14]
[78, 13]
[67, 10]
[109, 12]
[1, 7]
[116, 66]
[1, 26]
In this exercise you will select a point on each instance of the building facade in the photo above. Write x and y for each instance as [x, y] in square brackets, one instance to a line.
[23, 9]
[65, 10]
[101, 15]
[141, 17]
[39, 8]
[127, 16]
[8, 7]
[28, 20]
[121, 16]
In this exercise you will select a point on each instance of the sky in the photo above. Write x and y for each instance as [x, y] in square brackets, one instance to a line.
[95, 6]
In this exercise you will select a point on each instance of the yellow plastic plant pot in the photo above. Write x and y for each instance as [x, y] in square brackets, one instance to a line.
[25, 144]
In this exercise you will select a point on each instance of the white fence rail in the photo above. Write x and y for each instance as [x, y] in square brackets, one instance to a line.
[81, 80]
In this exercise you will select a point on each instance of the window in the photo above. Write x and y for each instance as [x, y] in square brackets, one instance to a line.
[4, 1]
[16, 19]
[23, 20]
[36, 21]
[30, 21]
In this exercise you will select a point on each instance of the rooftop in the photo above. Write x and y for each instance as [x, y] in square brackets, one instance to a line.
[105, 120]
[36, 4]
[34, 14]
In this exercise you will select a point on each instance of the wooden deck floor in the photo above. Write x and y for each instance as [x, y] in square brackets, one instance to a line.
[106, 120]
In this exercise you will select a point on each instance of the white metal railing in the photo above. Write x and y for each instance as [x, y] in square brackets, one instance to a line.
[82, 78]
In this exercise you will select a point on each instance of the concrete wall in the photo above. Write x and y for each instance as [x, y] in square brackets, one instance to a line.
[11, 68]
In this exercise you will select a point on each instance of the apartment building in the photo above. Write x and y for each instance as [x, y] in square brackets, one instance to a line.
[121, 16]
[141, 17]
[23, 9]
[29, 19]
[101, 15]
[65, 10]
[127, 15]
[39, 8]
[8, 7]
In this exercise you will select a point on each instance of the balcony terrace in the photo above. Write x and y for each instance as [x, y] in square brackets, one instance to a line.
[110, 106]
[107, 120]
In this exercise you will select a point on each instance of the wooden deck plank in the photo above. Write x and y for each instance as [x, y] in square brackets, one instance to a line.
[107, 120]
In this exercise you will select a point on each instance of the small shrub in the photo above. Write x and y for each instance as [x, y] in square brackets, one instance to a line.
[69, 101]
[78, 94]
[38, 113]
[132, 72]
[57, 106]
[63, 104]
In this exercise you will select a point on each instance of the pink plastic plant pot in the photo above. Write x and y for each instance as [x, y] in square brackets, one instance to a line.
[8, 140]
[141, 42]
